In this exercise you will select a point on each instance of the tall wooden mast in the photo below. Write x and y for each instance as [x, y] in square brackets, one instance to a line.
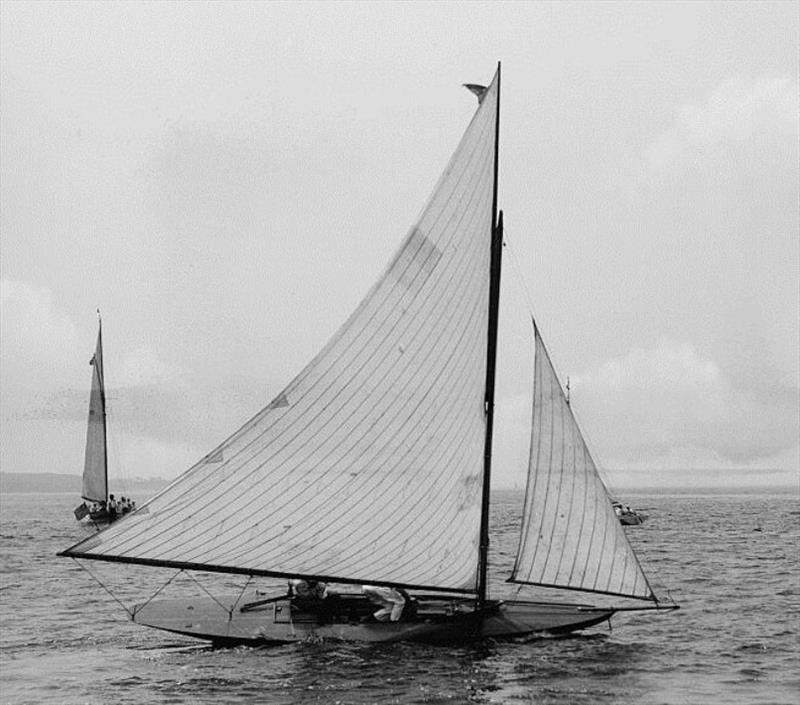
[491, 359]
[101, 377]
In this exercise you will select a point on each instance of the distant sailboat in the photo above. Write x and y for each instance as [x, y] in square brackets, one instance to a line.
[95, 464]
[373, 465]
[94, 490]
[628, 516]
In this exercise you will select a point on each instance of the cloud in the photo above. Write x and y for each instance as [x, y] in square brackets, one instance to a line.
[207, 184]
[716, 230]
[670, 407]
[737, 112]
[38, 343]
[143, 366]
[161, 417]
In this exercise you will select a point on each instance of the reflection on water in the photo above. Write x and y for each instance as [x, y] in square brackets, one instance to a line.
[730, 562]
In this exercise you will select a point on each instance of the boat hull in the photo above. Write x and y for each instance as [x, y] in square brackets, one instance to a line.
[277, 621]
[631, 519]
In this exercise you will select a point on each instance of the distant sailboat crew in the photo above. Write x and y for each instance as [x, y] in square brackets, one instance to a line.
[627, 516]
[373, 465]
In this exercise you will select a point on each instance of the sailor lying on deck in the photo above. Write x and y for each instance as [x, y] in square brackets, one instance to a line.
[314, 597]
[307, 589]
[391, 602]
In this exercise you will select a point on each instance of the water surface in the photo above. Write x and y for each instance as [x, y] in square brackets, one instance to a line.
[730, 561]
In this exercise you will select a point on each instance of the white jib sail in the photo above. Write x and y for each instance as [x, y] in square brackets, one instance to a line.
[94, 464]
[571, 537]
[368, 466]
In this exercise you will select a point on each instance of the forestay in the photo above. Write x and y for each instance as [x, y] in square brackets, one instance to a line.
[571, 537]
[95, 480]
[368, 466]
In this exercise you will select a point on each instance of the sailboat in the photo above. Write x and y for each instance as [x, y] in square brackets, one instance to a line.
[628, 516]
[94, 489]
[373, 465]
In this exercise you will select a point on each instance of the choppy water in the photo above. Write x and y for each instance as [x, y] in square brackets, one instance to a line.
[731, 562]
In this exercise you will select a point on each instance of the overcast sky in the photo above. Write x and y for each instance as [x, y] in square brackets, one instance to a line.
[225, 181]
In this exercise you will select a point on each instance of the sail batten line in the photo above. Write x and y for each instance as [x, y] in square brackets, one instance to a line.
[532, 483]
[591, 551]
[388, 488]
[549, 475]
[323, 492]
[615, 562]
[601, 553]
[253, 421]
[398, 479]
[266, 447]
[568, 450]
[441, 373]
[560, 479]
[539, 477]
[584, 496]
[624, 572]
[594, 556]
[453, 422]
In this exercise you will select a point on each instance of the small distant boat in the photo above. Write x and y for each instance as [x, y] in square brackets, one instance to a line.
[94, 491]
[628, 516]
[373, 466]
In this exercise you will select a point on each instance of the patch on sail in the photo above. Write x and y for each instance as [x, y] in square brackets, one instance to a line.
[469, 492]
[279, 402]
[419, 256]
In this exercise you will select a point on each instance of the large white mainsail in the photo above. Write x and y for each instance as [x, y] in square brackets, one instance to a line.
[95, 475]
[368, 466]
[571, 537]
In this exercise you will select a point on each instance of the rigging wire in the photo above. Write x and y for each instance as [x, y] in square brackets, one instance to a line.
[203, 588]
[114, 445]
[244, 587]
[114, 448]
[602, 471]
[150, 599]
[132, 612]
[129, 612]
[518, 271]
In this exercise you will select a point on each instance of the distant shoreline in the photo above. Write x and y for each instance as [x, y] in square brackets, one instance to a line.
[63, 483]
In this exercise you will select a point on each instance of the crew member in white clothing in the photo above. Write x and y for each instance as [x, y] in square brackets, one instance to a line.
[391, 602]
